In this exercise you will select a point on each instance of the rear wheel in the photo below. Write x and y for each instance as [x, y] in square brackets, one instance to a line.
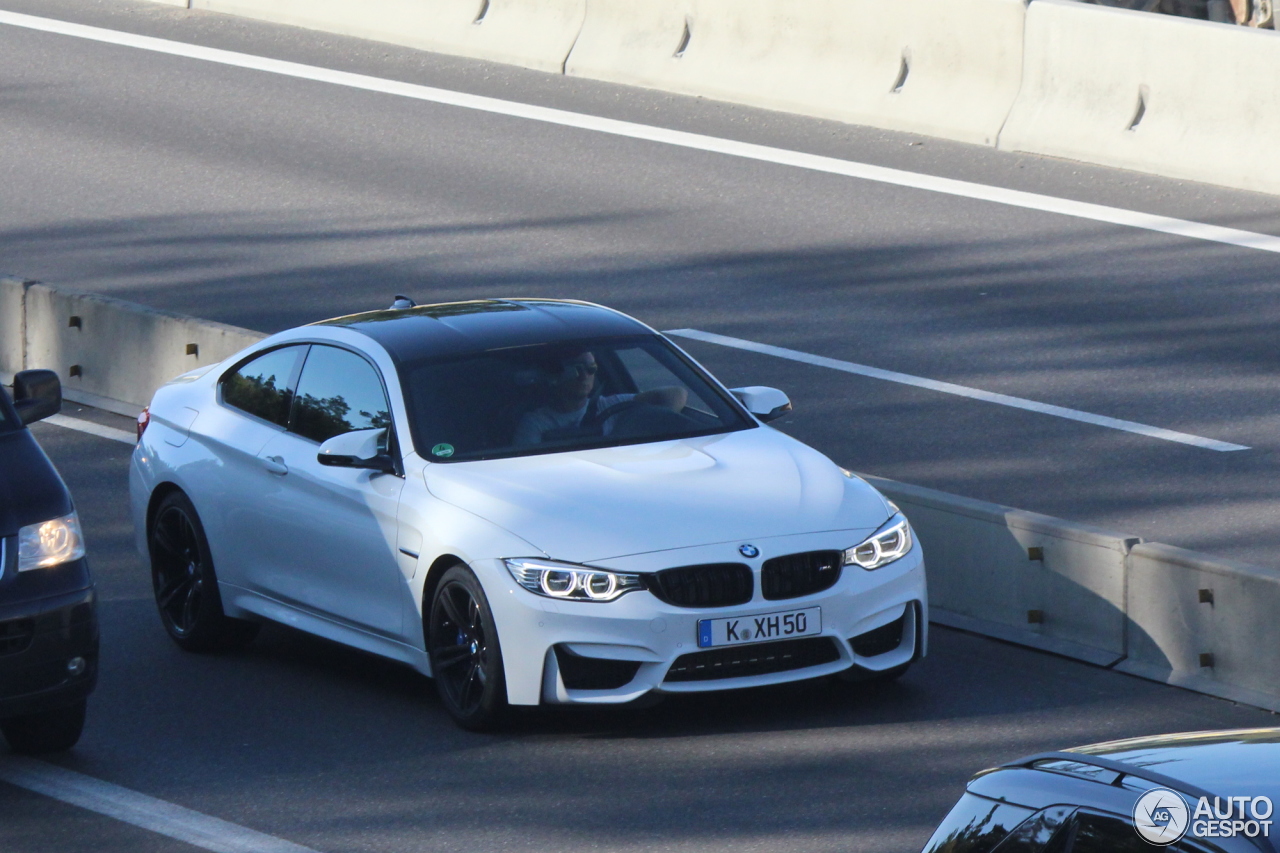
[185, 585]
[466, 659]
[51, 731]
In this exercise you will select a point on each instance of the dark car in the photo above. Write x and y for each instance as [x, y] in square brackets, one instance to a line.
[48, 607]
[1204, 792]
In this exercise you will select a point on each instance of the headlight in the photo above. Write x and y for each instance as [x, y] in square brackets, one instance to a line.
[570, 581]
[890, 542]
[50, 543]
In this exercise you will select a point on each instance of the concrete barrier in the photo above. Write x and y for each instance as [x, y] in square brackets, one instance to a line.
[12, 326]
[1116, 87]
[1022, 577]
[534, 33]
[1061, 78]
[949, 68]
[1206, 624]
[114, 354]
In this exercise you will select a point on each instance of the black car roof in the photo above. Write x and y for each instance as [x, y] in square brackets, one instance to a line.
[1226, 763]
[453, 328]
[1244, 762]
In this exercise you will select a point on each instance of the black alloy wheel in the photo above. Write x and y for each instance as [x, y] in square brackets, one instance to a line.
[185, 585]
[466, 659]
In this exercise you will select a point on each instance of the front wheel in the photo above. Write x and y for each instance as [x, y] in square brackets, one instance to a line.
[185, 585]
[52, 731]
[858, 675]
[466, 659]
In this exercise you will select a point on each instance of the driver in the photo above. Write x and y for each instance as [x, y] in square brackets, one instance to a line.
[572, 395]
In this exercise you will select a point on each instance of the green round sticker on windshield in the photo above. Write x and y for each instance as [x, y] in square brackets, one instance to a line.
[444, 450]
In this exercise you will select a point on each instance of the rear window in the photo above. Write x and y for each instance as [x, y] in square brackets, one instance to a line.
[976, 825]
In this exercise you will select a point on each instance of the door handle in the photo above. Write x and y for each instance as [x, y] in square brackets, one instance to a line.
[275, 465]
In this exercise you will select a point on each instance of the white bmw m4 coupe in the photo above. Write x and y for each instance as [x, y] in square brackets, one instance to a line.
[531, 501]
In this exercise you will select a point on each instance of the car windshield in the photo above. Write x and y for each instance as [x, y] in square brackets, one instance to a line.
[563, 396]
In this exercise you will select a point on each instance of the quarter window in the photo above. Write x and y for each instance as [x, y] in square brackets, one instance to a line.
[262, 387]
[976, 825]
[1094, 833]
[1097, 834]
[338, 392]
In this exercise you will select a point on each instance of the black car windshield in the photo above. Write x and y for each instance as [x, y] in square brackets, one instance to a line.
[563, 396]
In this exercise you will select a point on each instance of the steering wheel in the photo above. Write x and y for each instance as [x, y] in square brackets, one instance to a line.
[599, 418]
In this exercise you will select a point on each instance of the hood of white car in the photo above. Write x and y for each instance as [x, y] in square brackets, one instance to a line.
[611, 502]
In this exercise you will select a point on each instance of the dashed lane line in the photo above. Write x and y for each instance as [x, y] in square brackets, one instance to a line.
[123, 804]
[92, 429]
[959, 390]
[666, 136]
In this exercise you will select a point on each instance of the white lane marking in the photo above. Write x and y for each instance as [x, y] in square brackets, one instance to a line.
[200, 830]
[958, 390]
[92, 428]
[632, 130]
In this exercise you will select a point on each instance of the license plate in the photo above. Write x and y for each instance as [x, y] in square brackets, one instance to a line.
[757, 629]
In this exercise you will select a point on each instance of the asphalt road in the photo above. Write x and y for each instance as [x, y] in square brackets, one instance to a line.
[265, 201]
[339, 751]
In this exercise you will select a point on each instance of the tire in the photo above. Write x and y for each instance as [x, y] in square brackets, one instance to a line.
[466, 658]
[52, 731]
[186, 588]
[858, 675]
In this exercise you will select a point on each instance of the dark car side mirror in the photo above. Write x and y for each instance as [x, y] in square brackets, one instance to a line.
[37, 394]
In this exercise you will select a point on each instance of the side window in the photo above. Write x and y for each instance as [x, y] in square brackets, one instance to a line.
[1036, 832]
[338, 392]
[1093, 833]
[261, 387]
[645, 370]
[975, 825]
[649, 374]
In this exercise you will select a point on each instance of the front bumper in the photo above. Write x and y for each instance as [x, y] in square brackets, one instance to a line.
[567, 652]
[40, 640]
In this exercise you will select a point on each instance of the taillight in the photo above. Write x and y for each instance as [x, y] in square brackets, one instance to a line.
[144, 419]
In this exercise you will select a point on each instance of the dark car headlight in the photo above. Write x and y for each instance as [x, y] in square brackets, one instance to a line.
[891, 542]
[571, 581]
[50, 543]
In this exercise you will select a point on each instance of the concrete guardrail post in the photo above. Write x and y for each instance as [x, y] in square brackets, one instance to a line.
[114, 354]
[950, 68]
[1207, 624]
[1027, 578]
[13, 326]
[1113, 86]
[533, 33]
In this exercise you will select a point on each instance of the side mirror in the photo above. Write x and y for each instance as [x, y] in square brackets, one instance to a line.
[37, 394]
[363, 448]
[767, 404]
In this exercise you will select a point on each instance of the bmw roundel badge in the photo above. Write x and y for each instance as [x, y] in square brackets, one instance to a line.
[749, 550]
